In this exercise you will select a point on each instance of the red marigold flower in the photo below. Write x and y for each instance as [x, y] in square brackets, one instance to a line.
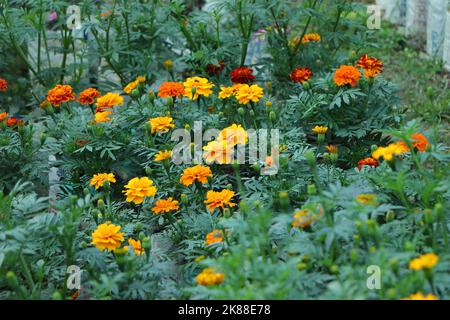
[213, 69]
[88, 96]
[242, 75]
[372, 66]
[420, 142]
[12, 121]
[3, 85]
[301, 75]
[368, 162]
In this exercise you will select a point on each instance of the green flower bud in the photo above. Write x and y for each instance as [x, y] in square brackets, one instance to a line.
[283, 197]
[311, 189]
[306, 85]
[302, 266]
[310, 158]
[169, 101]
[409, 246]
[390, 216]
[227, 212]
[334, 269]
[272, 116]
[148, 171]
[57, 295]
[101, 204]
[241, 111]
[391, 294]
[184, 199]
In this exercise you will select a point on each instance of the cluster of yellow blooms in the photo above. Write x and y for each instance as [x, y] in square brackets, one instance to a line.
[107, 236]
[134, 84]
[221, 150]
[425, 261]
[244, 93]
[366, 198]
[208, 277]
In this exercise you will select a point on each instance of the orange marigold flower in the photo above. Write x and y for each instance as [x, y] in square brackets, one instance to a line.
[161, 124]
[109, 101]
[3, 116]
[3, 85]
[163, 155]
[216, 236]
[171, 89]
[332, 149]
[197, 173]
[242, 75]
[165, 206]
[311, 37]
[420, 142]
[301, 75]
[59, 94]
[371, 162]
[98, 180]
[136, 246]
[139, 188]
[347, 75]
[107, 237]
[219, 199]
[88, 96]
[103, 116]
[372, 66]
[208, 277]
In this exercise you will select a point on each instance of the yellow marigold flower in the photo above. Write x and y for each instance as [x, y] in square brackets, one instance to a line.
[197, 173]
[138, 189]
[303, 219]
[421, 296]
[208, 277]
[397, 148]
[246, 93]
[227, 92]
[320, 129]
[107, 237]
[103, 116]
[216, 236]
[165, 206]
[366, 198]
[221, 152]
[332, 149]
[136, 246]
[168, 64]
[59, 94]
[425, 261]
[216, 199]
[163, 155]
[141, 79]
[161, 124]
[109, 101]
[99, 179]
[234, 134]
[197, 86]
[131, 86]
[311, 37]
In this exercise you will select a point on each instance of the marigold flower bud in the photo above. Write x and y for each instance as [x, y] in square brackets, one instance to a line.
[311, 189]
[268, 104]
[310, 157]
[390, 216]
[184, 199]
[409, 246]
[334, 269]
[284, 199]
[148, 171]
[272, 116]
[57, 295]
[241, 111]
[302, 266]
